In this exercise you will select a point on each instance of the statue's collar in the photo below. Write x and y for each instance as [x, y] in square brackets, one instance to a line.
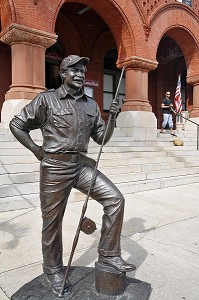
[63, 93]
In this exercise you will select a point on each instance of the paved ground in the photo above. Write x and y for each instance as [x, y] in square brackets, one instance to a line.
[160, 235]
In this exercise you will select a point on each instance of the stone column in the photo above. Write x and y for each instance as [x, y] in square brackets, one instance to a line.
[137, 117]
[136, 81]
[28, 66]
[194, 81]
[194, 114]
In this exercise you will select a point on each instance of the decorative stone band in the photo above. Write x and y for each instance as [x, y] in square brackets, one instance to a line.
[16, 33]
[137, 62]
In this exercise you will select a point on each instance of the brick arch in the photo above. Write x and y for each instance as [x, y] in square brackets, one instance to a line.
[104, 43]
[61, 25]
[123, 19]
[182, 27]
[116, 20]
[189, 47]
[7, 13]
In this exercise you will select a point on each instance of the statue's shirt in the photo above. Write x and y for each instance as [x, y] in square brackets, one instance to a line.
[67, 123]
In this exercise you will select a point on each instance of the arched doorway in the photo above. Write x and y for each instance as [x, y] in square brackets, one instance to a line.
[171, 63]
[83, 32]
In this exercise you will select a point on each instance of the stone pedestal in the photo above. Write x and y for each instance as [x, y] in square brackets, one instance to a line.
[140, 125]
[109, 281]
[10, 109]
[83, 288]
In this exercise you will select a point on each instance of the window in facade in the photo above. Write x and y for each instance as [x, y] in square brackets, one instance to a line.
[188, 2]
[111, 79]
[54, 56]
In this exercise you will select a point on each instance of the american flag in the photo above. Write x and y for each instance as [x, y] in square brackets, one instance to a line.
[178, 97]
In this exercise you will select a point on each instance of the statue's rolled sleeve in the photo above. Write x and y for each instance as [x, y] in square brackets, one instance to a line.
[32, 116]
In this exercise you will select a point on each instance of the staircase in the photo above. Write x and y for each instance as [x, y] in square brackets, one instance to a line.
[132, 166]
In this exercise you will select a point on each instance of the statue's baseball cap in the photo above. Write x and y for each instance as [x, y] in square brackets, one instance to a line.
[72, 60]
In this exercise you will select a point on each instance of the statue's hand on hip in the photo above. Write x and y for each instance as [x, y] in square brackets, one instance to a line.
[38, 152]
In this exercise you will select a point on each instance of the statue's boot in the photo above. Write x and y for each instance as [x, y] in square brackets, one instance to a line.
[117, 262]
[56, 281]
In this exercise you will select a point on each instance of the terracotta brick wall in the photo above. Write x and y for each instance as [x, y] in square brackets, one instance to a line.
[135, 28]
[5, 74]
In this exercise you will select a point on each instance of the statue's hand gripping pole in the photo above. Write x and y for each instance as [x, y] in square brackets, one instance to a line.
[75, 241]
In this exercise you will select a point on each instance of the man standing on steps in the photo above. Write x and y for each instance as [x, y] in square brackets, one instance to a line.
[68, 118]
[167, 113]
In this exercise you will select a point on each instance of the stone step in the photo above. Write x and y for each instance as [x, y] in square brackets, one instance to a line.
[10, 145]
[19, 202]
[125, 149]
[7, 179]
[171, 144]
[19, 168]
[179, 148]
[138, 186]
[8, 190]
[183, 152]
[135, 161]
[126, 155]
[121, 144]
[18, 178]
[180, 134]
[191, 163]
[26, 190]
[6, 137]
[119, 133]
[133, 144]
[132, 165]
[188, 158]
[171, 138]
[145, 185]
[35, 167]
[25, 159]
[138, 176]
[15, 152]
[4, 131]
[113, 170]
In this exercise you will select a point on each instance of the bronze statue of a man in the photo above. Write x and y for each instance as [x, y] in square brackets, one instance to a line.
[68, 118]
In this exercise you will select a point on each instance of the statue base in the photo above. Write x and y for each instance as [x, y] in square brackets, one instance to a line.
[83, 288]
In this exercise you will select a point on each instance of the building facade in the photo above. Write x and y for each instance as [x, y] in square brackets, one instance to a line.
[155, 40]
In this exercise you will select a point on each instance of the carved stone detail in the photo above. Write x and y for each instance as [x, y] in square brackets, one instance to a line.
[147, 29]
[193, 79]
[18, 33]
[137, 62]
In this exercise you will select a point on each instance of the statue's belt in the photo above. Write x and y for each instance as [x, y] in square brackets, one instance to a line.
[72, 157]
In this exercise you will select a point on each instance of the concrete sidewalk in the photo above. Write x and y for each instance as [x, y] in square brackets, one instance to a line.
[160, 235]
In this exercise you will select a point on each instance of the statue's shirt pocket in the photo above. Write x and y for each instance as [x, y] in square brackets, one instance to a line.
[90, 118]
[62, 117]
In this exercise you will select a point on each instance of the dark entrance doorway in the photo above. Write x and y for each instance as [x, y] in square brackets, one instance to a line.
[171, 63]
[54, 55]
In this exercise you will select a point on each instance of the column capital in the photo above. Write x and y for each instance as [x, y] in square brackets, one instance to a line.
[17, 33]
[193, 79]
[137, 62]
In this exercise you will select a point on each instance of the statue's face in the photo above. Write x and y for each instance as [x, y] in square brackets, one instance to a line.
[75, 75]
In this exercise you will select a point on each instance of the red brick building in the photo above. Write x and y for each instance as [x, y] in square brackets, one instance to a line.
[156, 40]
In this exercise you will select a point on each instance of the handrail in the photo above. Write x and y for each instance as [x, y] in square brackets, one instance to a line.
[178, 114]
